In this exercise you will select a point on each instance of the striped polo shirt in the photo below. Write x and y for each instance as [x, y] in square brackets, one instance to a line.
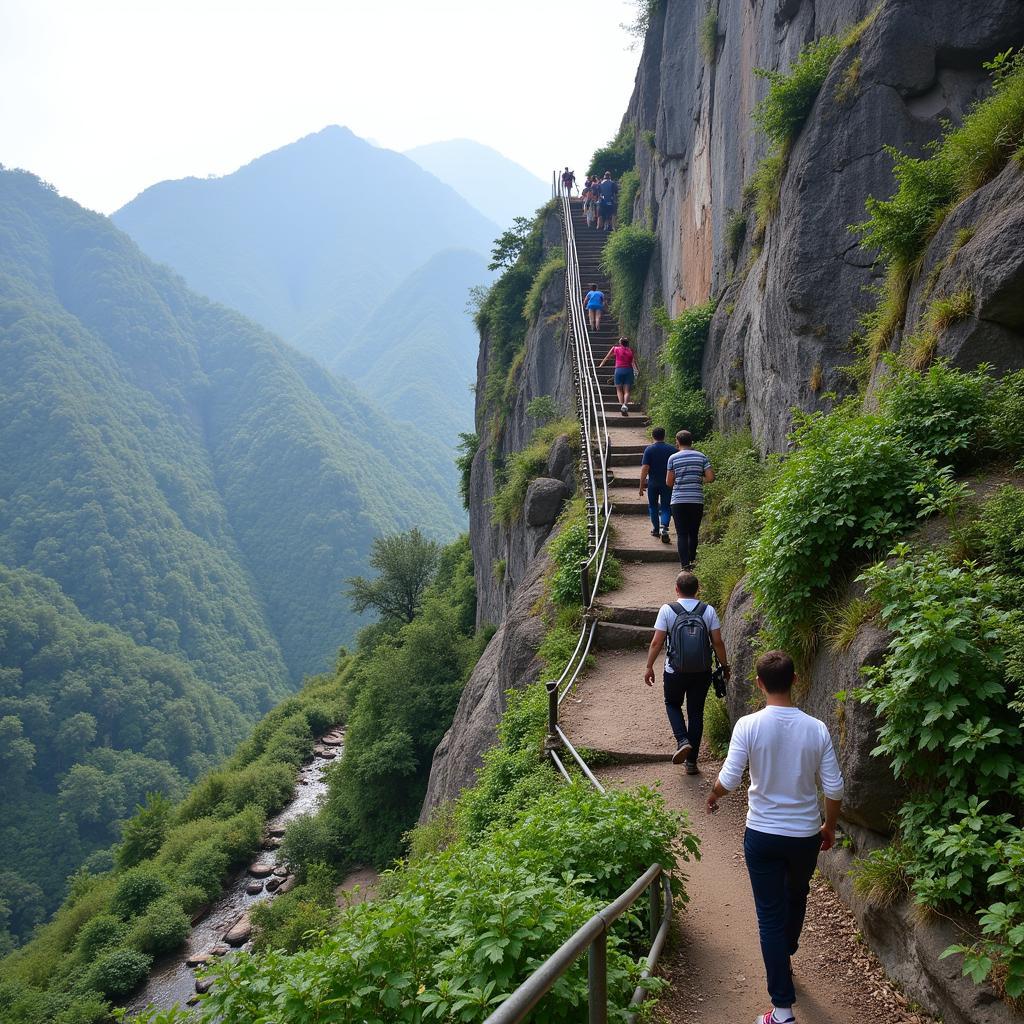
[689, 466]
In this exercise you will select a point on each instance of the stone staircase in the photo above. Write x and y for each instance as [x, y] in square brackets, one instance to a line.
[627, 615]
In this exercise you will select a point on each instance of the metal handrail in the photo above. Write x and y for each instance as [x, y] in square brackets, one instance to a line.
[593, 936]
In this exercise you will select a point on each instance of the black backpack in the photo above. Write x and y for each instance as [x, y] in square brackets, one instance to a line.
[689, 640]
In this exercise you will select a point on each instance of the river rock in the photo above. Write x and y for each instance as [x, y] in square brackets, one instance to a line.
[220, 949]
[198, 959]
[272, 843]
[331, 740]
[203, 985]
[544, 500]
[192, 1000]
[238, 934]
[273, 883]
[328, 755]
[276, 831]
[259, 870]
[281, 870]
[254, 887]
[288, 884]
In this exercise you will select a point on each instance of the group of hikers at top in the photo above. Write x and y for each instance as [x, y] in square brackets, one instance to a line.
[600, 198]
[788, 752]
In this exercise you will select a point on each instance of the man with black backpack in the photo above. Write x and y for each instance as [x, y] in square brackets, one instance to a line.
[692, 629]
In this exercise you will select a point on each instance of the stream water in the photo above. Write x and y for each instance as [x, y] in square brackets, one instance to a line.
[172, 980]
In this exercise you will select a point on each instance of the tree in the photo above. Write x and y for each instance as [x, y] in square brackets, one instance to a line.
[142, 834]
[406, 563]
[509, 244]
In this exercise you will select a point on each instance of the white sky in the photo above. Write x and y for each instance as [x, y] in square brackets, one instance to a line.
[103, 98]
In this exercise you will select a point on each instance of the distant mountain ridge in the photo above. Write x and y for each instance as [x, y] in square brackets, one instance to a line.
[500, 188]
[307, 239]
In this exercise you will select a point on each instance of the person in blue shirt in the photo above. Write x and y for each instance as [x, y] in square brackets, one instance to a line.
[652, 477]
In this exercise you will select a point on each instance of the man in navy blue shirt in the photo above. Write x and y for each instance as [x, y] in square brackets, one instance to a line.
[652, 477]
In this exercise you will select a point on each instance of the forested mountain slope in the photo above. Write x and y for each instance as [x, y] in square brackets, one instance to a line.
[185, 479]
[416, 355]
[500, 188]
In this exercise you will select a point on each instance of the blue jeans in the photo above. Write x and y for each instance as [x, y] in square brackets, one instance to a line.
[780, 869]
[693, 688]
[659, 494]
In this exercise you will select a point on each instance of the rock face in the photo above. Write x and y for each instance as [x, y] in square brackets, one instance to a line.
[546, 370]
[786, 314]
[509, 661]
[544, 500]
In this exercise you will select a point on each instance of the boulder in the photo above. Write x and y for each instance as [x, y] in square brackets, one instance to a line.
[254, 888]
[288, 884]
[260, 870]
[544, 500]
[203, 985]
[273, 883]
[276, 831]
[272, 842]
[198, 959]
[239, 933]
[220, 949]
[281, 871]
[332, 740]
[562, 460]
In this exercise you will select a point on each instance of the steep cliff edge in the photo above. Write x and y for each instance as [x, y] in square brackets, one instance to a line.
[509, 558]
[789, 304]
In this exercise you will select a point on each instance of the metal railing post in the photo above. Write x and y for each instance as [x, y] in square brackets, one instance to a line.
[597, 979]
[553, 740]
[585, 582]
[654, 897]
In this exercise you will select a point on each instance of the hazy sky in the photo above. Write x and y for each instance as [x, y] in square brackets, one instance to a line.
[105, 97]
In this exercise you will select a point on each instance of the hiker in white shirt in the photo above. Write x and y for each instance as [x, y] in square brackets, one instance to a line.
[788, 752]
[687, 673]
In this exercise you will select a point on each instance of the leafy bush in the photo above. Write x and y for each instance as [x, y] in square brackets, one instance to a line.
[99, 933]
[528, 464]
[677, 402]
[735, 232]
[850, 488]
[791, 94]
[297, 919]
[625, 259]
[618, 156]
[468, 447]
[137, 889]
[948, 728]
[1004, 415]
[571, 546]
[708, 35]
[629, 186]
[119, 972]
[162, 929]
[730, 524]
[765, 188]
[549, 269]
[542, 409]
[939, 412]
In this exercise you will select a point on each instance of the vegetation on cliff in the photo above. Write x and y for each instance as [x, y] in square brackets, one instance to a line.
[677, 401]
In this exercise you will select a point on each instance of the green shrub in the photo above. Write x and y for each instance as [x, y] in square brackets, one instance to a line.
[136, 889]
[625, 259]
[312, 839]
[542, 409]
[118, 972]
[881, 876]
[468, 446]
[549, 269]
[162, 929]
[143, 833]
[204, 868]
[618, 156]
[99, 933]
[571, 546]
[708, 35]
[998, 530]
[717, 727]
[735, 232]
[730, 524]
[765, 188]
[938, 412]
[676, 401]
[1004, 416]
[791, 94]
[629, 186]
[298, 919]
[850, 488]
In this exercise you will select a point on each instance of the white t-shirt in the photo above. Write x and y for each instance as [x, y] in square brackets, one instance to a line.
[788, 753]
[666, 617]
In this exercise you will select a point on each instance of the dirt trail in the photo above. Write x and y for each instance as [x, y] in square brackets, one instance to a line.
[714, 965]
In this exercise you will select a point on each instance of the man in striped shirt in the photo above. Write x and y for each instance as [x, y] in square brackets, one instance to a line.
[687, 472]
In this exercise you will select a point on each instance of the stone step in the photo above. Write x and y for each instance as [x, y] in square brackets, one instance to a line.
[631, 553]
[613, 636]
[627, 616]
[618, 422]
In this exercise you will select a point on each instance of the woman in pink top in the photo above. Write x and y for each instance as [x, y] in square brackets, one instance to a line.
[625, 371]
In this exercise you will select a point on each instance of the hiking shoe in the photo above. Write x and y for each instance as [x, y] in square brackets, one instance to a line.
[655, 533]
[664, 537]
[691, 768]
[684, 751]
[625, 409]
[767, 1018]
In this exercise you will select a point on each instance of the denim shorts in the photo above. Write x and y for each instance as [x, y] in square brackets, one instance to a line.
[624, 376]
